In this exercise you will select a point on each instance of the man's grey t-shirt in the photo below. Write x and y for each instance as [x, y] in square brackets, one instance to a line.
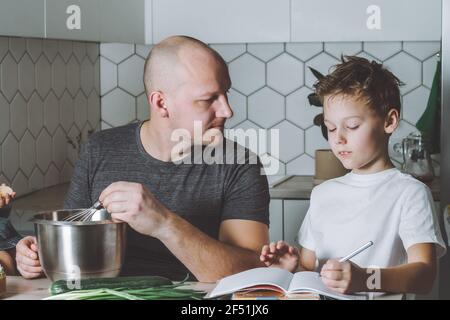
[203, 194]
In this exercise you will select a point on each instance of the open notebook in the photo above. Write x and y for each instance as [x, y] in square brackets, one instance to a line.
[278, 280]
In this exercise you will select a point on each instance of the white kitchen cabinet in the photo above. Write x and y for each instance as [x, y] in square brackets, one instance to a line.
[217, 21]
[294, 212]
[276, 220]
[365, 20]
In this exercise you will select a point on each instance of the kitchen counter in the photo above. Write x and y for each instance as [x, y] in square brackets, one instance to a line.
[300, 187]
[18, 288]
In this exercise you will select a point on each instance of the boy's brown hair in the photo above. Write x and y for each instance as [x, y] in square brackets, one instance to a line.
[369, 81]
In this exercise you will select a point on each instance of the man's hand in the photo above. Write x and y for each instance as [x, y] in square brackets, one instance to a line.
[280, 254]
[134, 204]
[344, 277]
[27, 258]
[6, 195]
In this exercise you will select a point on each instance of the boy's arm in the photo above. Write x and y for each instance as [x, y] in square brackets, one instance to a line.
[307, 260]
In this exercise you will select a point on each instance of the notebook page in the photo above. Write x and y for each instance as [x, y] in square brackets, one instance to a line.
[310, 281]
[249, 278]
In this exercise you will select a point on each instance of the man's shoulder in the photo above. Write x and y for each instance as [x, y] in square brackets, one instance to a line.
[236, 153]
[114, 136]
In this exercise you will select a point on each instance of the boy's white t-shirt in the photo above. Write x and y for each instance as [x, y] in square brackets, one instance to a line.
[390, 208]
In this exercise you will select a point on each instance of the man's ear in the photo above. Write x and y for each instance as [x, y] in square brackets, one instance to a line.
[391, 121]
[156, 100]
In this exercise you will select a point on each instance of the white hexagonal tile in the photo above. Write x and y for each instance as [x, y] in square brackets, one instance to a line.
[291, 142]
[36, 181]
[314, 140]
[59, 75]
[229, 52]
[108, 75]
[35, 114]
[142, 107]
[105, 126]
[94, 110]
[20, 184]
[18, 116]
[382, 50]
[143, 50]
[59, 147]
[422, 49]
[26, 76]
[298, 109]
[34, 48]
[414, 104]
[43, 150]
[87, 76]
[322, 63]
[304, 51]
[238, 103]
[429, 68]
[51, 177]
[50, 48]
[51, 112]
[17, 47]
[4, 46]
[27, 153]
[73, 76]
[265, 51]
[131, 72]
[65, 49]
[93, 51]
[4, 119]
[399, 134]
[66, 111]
[247, 74]
[336, 49]
[8, 77]
[74, 135]
[303, 165]
[118, 108]
[367, 56]
[79, 50]
[266, 107]
[407, 69]
[66, 172]
[80, 110]
[285, 74]
[116, 52]
[272, 166]
[97, 76]
[10, 156]
[44, 76]
[247, 134]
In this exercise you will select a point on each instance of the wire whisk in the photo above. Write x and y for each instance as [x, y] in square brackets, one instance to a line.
[84, 215]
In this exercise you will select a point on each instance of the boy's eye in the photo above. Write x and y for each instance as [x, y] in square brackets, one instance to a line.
[331, 130]
[353, 128]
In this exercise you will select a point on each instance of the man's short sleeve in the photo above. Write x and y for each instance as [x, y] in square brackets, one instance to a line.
[247, 194]
[419, 223]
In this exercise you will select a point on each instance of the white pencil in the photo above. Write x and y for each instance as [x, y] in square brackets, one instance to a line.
[354, 253]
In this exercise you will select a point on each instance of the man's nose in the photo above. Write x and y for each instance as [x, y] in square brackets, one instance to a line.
[224, 110]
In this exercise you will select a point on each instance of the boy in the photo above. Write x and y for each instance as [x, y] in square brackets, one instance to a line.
[8, 236]
[374, 202]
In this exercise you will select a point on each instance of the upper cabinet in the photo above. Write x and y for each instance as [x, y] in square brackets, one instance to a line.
[218, 21]
[365, 20]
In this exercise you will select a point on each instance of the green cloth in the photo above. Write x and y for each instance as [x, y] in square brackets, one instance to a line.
[429, 123]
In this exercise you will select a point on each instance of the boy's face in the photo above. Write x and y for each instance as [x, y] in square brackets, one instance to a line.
[357, 135]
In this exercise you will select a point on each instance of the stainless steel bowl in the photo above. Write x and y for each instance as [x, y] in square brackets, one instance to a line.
[78, 250]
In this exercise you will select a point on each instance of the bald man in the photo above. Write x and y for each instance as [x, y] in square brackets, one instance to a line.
[209, 220]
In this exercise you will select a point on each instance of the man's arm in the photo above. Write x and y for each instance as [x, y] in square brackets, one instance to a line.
[237, 249]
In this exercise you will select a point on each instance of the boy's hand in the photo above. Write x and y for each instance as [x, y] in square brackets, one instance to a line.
[344, 277]
[27, 258]
[6, 195]
[280, 254]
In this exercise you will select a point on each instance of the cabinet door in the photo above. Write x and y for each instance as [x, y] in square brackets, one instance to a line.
[366, 20]
[217, 21]
[22, 18]
[276, 220]
[294, 213]
[73, 19]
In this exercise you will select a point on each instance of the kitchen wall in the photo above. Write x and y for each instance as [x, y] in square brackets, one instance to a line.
[270, 87]
[49, 102]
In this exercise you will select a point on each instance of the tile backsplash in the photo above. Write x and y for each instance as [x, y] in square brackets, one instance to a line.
[271, 83]
[49, 103]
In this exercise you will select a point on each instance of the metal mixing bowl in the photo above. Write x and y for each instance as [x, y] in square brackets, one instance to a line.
[79, 250]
